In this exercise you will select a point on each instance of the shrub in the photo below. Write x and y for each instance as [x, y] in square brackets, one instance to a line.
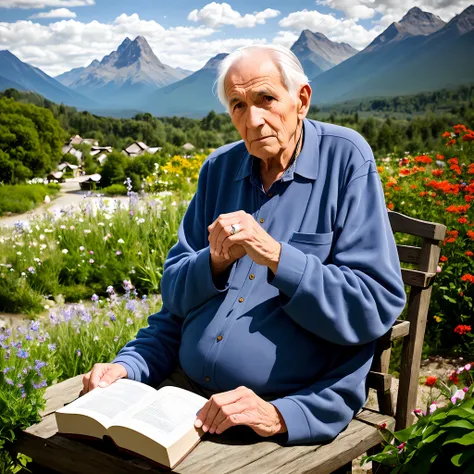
[115, 189]
[21, 198]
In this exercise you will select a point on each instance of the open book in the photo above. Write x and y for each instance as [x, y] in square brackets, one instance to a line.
[157, 424]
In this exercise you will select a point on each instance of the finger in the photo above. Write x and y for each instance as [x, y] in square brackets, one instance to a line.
[225, 412]
[202, 414]
[94, 378]
[237, 239]
[109, 377]
[223, 236]
[230, 215]
[215, 403]
[214, 235]
[85, 382]
[233, 420]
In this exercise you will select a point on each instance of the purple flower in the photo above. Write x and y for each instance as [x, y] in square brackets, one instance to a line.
[91, 252]
[78, 353]
[130, 305]
[6, 370]
[110, 290]
[95, 298]
[113, 317]
[86, 317]
[39, 364]
[9, 381]
[53, 319]
[31, 269]
[67, 313]
[129, 322]
[29, 337]
[34, 326]
[19, 385]
[466, 389]
[40, 385]
[51, 347]
[22, 354]
[118, 252]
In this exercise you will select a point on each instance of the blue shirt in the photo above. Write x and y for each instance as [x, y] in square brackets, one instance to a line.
[304, 337]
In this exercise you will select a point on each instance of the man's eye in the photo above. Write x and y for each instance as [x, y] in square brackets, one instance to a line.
[268, 98]
[238, 105]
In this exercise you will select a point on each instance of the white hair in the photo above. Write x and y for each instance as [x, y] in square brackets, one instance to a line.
[292, 72]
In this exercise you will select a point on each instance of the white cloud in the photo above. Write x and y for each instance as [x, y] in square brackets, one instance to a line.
[394, 10]
[66, 44]
[339, 30]
[57, 13]
[44, 3]
[219, 14]
[285, 38]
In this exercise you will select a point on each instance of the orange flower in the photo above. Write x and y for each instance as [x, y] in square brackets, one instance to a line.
[431, 380]
[437, 172]
[397, 188]
[391, 206]
[423, 193]
[443, 258]
[423, 159]
[439, 157]
[463, 220]
[468, 253]
[433, 195]
[468, 277]
[455, 168]
[451, 142]
[462, 329]
[413, 186]
[405, 171]
[458, 209]
[461, 294]
[469, 137]
[380, 169]
[459, 128]
[438, 203]
[453, 161]
[446, 134]
[470, 234]
[468, 198]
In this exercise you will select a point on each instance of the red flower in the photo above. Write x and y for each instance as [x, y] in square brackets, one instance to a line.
[468, 253]
[382, 426]
[468, 277]
[391, 206]
[451, 142]
[413, 186]
[463, 220]
[443, 258]
[461, 294]
[470, 234]
[446, 134]
[431, 380]
[462, 329]
[453, 161]
[437, 172]
[440, 157]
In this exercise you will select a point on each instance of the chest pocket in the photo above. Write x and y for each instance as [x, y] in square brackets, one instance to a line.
[315, 244]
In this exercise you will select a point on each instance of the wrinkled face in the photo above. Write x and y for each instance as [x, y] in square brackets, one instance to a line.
[260, 106]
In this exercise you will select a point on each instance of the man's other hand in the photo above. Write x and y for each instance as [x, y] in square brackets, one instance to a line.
[241, 406]
[102, 375]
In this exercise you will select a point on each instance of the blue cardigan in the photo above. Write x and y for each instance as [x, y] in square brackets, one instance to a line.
[305, 337]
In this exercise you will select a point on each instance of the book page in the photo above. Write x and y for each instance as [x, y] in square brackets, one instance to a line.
[166, 416]
[107, 404]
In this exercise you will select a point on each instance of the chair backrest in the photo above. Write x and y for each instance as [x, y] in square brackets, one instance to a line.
[425, 259]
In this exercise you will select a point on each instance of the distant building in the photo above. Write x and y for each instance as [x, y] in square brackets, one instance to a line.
[91, 182]
[75, 140]
[189, 146]
[139, 148]
[64, 167]
[56, 176]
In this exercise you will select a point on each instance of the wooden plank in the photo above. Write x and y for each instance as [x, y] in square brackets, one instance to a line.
[360, 435]
[417, 278]
[410, 225]
[60, 394]
[400, 329]
[379, 381]
[408, 253]
[417, 313]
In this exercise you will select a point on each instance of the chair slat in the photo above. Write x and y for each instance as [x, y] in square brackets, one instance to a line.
[412, 226]
[379, 381]
[409, 253]
[417, 278]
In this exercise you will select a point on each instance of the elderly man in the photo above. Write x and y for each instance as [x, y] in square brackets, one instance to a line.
[285, 271]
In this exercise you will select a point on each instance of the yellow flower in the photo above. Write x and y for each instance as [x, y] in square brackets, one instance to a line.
[437, 318]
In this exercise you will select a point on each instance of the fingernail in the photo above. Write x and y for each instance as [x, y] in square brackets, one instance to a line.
[198, 423]
[205, 428]
[102, 384]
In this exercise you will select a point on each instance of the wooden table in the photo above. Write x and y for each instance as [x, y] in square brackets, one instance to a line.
[231, 452]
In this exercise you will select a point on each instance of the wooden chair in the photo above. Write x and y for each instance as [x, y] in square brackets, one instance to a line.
[228, 453]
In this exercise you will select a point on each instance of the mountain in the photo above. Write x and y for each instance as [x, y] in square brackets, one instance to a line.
[191, 97]
[317, 53]
[440, 61]
[394, 47]
[22, 76]
[124, 76]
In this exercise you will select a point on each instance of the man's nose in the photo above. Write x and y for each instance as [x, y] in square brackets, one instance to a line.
[255, 117]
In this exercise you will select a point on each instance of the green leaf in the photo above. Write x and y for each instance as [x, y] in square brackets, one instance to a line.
[460, 458]
[433, 437]
[459, 424]
[465, 440]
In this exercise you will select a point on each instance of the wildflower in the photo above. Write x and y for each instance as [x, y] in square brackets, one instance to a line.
[64, 251]
[18, 253]
[110, 290]
[120, 241]
[433, 407]
[9, 381]
[91, 260]
[458, 395]
[431, 380]
[401, 447]
[129, 322]
[34, 326]
[382, 426]
[87, 231]
[462, 329]
[42, 384]
[22, 354]
[113, 318]
[91, 252]
[51, 347]
[468, 253]
[94, 298]
[96, 338]
[118, 252]
[31, 269]
[116, 338]
[438, 269]
[416, 411]
[81, 248]
[468, 277]
[78, 353]
[443, 258]
[437, 319]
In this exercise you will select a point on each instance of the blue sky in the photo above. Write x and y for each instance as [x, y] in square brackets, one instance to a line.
[57, 35]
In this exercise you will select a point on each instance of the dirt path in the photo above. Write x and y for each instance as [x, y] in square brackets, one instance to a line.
[70, 195]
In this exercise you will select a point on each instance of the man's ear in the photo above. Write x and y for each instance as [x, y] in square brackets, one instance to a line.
[304, 101]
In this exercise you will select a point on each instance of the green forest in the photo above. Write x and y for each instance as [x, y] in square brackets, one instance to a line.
[33, 130]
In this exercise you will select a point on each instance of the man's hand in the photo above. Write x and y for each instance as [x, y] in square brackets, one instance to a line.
[261, 247]
[102, 375]
[240, 407]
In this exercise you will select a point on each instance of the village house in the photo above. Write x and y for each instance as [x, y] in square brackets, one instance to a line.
[139, 148]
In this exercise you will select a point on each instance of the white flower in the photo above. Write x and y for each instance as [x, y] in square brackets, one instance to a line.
[96, 338]
[101, 224]
[42, 237]
[64, 251]
[18, 253]
[120, 241]
[43, 246]
[81, 219]
[433, 407]
[47, 199]
[62, 226]
[81, 248]
[72, 227]
[87, 231]
[107, 216]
